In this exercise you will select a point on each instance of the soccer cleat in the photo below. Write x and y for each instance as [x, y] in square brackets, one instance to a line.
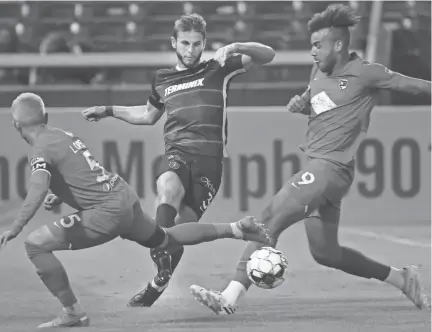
[212, 300]
[154, 290]
[413, 288]
[253, 231]
[67, 320]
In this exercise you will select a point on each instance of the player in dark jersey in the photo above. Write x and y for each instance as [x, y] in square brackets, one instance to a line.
[193, 95]
[340, 97]
[107, 207]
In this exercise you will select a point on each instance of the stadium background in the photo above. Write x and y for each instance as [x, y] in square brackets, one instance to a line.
[80, 54]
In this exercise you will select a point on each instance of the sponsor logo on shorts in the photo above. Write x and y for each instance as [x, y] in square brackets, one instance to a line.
[343, 83]
[207, 183]
[173, 157]
[210, 195]
[184, 86]
[205, 203]
[174, 165]
[110, 185]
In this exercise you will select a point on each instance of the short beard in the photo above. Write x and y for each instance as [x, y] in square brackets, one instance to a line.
[193, 63]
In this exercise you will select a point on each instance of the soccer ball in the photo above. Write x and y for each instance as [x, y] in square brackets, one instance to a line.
[266, 267]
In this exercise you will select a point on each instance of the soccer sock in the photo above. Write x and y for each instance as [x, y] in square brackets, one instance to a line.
[165, 215]
[240, 283]
[355, 263]
[395, 278]
[192, 233]
[53, 275]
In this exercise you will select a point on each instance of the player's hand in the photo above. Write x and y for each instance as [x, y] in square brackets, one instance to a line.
[224, 53]
[51, 201]
[95, 113]
[298, 103]
[6, 236]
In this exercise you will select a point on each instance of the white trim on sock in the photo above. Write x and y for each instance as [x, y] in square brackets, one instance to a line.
[395, 278]
[233, 292]
[238, 233]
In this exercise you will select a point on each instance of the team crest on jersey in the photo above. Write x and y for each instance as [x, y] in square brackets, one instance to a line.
[343, 83]
[183, 86]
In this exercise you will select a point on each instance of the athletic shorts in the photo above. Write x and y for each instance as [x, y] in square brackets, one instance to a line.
[120, 215]
[201, 177]
[317, 190]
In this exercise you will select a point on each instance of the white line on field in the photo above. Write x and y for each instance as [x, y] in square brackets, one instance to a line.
[389, 238]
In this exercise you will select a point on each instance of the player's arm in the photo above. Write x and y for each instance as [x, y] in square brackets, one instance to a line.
[37, 191]
[254, 53]
[238, 57]
[147, 114]
[137, 115]
[378, 76]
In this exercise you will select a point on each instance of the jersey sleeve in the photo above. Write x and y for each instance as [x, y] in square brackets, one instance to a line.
[375, 75]
[154, 98]
[41, 158]
[234, 65]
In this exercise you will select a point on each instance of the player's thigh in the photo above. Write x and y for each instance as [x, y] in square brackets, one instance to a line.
[300, 195]
[322, 227]
[88, 228]
[206, 177]
[43, 237]
[142, 226]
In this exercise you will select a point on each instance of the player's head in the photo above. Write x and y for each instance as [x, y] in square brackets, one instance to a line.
[330, 35]
[189, 39]
[28, 113]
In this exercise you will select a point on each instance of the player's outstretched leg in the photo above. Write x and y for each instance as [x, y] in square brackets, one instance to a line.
[39, 246]
[282, 212]
[322, 233]
[191, 234]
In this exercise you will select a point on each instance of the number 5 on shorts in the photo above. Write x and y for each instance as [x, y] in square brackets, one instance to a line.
[306, 178]
[69, 221]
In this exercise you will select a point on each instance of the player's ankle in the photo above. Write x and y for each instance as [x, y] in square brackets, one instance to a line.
[395, 278]
[74, 309]
[233, 292]
[237, 232]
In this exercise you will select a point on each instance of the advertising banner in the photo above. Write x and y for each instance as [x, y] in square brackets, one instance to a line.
[392, 184]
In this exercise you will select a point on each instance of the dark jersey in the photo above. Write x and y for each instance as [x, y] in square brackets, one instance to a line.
[76, 177]
[195, 103]
[340, 108]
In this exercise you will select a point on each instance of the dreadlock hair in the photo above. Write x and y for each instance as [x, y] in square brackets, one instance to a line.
[335, 17]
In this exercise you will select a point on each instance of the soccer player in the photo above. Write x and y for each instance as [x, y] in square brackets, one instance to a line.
[341, 95]
[194, 96]
[107, 207]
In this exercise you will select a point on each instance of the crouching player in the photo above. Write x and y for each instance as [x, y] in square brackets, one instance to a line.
[341, 95]
[108, 208]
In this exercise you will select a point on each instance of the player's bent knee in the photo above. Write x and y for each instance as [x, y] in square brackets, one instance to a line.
[158, 238]
[44, 239]
[330, 257]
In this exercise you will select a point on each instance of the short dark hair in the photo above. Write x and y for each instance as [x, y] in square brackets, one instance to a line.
[190, 22]
[334, 16]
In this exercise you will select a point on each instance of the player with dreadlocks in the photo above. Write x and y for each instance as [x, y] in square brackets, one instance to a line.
[338, 101]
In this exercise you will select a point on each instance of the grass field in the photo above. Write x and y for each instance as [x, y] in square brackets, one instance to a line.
[312, 299]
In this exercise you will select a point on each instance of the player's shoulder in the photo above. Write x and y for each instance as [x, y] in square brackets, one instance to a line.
[52, 139]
